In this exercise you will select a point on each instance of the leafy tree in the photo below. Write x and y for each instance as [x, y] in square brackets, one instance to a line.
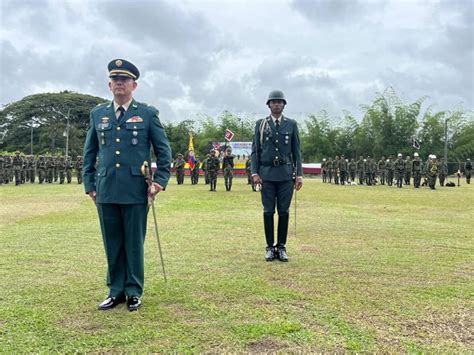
[47, 114]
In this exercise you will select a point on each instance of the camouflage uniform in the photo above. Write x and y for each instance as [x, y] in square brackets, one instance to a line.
[360, 169]
[30, 168]
[335, 169]
[381, 170]
[248, 171]
[369, 167]
[78, 167]
[329, 167]
[61, 169]
[390, 166]
[195, 171]
[50, 165]
[324, 171]
[179, 165]
[443, 172]
[2, 169]
[17, 164]
[205, 170]
[228, 168]
[69, 167]
[343, 170]
[212, 167]
[399, 170]
[408, 167]
[432, 172]
[468, 170]
[416, 170]
[352, 170]
[41, 168]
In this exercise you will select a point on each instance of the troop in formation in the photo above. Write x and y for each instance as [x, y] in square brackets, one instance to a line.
[393, 172]
[22, 168]
[210, 166]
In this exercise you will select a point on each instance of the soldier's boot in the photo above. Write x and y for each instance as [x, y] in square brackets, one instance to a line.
[230, 184]
[269, 227]
[282, 234]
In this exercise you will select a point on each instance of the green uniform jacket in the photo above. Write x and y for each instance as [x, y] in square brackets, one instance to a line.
[269, 145]
[121, 147]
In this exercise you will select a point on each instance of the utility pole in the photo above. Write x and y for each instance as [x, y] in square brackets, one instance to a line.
[67, 132]
[446, 140]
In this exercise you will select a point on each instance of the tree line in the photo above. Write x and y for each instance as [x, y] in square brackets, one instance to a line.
[41, 123]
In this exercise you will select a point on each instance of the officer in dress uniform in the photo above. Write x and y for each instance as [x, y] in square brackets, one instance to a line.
[276, 160]
[119, 137]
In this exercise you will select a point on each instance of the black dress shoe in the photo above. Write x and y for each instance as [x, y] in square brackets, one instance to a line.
[133, 303]
[281, 254]
[110, 302]
[270, 255]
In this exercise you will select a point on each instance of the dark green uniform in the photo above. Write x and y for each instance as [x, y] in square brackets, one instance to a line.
[360, 170]
[343, 170]
[30, 169]
[61, 168]
[432, 172]
[335, 169]
[276, 158]
[390, 167]
[119, 146]
[69, 167]
[381, 170]
[329, 168]
[408, 172]
[2, 168]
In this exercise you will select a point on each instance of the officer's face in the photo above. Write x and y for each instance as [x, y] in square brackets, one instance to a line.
[276, 106]
[122, 86]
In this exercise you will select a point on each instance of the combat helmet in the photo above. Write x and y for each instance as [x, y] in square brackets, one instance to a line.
[276, 95]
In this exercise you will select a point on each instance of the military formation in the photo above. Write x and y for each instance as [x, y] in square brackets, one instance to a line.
[20, 168]
[397, 172]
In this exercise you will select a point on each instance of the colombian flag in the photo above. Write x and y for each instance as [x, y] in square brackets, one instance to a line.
[191, 158]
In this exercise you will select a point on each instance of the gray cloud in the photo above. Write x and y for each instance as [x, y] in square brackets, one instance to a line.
[203, 58]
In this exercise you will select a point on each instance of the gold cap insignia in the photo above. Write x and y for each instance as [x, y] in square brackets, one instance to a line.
[118, 63]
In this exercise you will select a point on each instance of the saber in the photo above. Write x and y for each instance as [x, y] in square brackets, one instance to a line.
[148, 174]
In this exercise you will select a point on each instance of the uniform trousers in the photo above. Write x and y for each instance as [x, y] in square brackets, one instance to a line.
[123, 231]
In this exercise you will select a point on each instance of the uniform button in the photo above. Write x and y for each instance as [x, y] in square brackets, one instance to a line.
[277, 133]
[118, 128]
[117, 152]
[276, 157]
[117, 165]
[276, 141]
[117, 140]
[276, 149]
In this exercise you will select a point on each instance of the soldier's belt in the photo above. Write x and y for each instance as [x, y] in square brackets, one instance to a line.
[277, 162]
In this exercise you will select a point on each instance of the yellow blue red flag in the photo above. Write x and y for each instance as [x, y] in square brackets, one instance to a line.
[191, 157]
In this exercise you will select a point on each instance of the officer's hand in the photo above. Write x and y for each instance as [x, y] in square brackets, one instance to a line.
[299, 183]
[154, 189]
[256, 179]
[92, 195]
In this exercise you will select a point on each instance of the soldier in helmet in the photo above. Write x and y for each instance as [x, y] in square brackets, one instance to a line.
[390, 166]
[432, 171]
[416, 166]
[399, 170]
[323, 170]
[179, 165]
[335, 169]
[30, 168]
[468, 170]
[228, 168]
[41, 168]
[276, 165]
[360, 169]
[78, 167]
[329, 167]
[69, 167]
[50, 165]
[408, 172]
[204, 168]
[17, 164]
[443, 171]
[381, 169]
[195, 170]
[369, 168]
[352, 170]
[343, 169]
[61, 168]
[212, 167]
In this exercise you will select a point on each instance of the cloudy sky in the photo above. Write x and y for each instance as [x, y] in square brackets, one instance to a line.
[201, 57]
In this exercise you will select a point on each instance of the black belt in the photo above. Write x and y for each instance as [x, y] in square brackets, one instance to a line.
[277, 162]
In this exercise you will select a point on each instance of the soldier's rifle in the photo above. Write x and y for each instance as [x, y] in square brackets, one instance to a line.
[148, 175]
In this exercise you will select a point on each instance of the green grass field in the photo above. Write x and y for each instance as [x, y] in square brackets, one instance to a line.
[372, 269]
